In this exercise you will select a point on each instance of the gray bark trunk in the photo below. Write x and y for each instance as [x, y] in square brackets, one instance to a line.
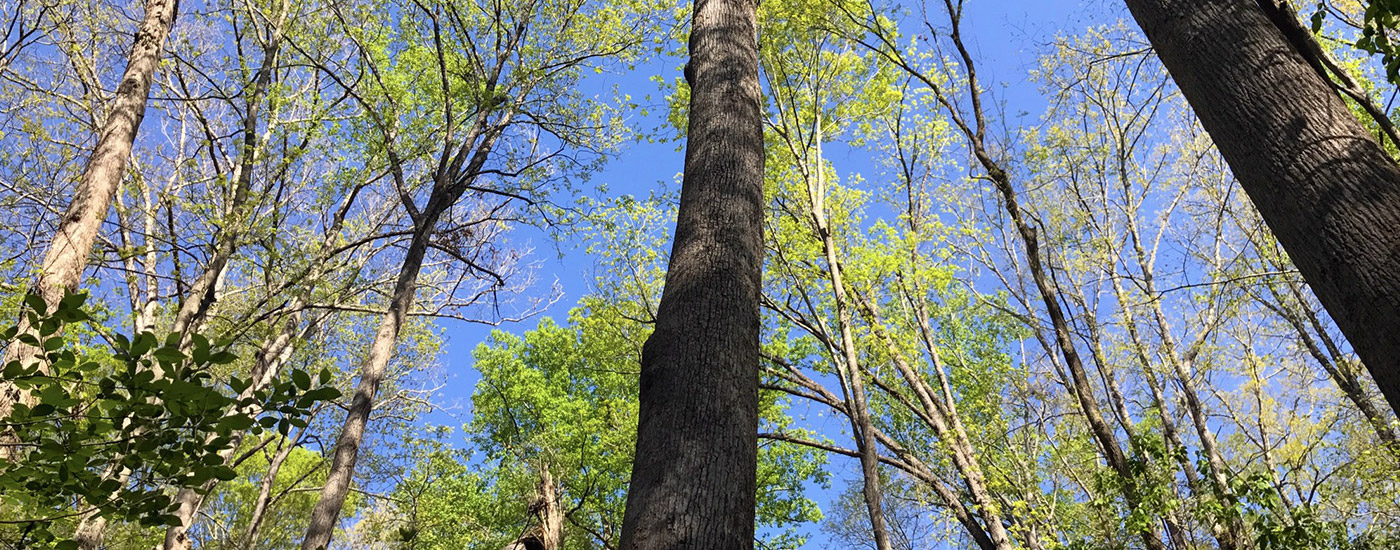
[448, 188]
[67, 255]
[848, 364]
[347, 447]
[264, 500]
[1322, 183]
[694, 477]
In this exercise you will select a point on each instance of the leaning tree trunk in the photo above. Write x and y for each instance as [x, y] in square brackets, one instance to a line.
[352, 433]
[694, 477]
[848, 363]
[67, 255]
[1322, 183]
[450, 183]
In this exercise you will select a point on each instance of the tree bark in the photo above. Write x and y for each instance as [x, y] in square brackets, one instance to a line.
[347, 447]
[694, 477]
[848, 363]
[67, 256]
[200, 297]
[1321, 182]
[449, 184]
[264, 499]
[548, 534]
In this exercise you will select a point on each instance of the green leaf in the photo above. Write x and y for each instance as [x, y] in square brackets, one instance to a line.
[36, 303]
[301, 378]
[222, 358]
[143, 343]
[236, 422]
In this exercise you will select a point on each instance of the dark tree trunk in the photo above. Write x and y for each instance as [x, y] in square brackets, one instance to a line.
[1322, 183]
[693, 481]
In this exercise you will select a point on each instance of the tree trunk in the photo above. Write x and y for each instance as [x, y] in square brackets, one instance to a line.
[448, 187]
[548, 534]
[274, 354]
[1322, 183]
[67, 255]
[848, 364]
[941, 417]
[200, 297]
[352, 432]
[694, 477]
[264, 500]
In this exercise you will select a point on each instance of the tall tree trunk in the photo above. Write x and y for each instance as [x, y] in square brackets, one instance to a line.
[264, 499]
[196, 304]
[200, 297]
[694, 477]
[347, 447]
[848, 364]
[1322, 183]
[450, 182]
[67, 255]
[275, 353]
[974, 129]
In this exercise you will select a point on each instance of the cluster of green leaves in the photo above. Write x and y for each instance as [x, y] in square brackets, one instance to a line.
[561, 399]
[1380, 20]
[1278, 526]
[112, 429]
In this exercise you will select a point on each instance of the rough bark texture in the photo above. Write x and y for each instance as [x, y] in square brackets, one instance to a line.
[1321, 182]
[693, 481]
[548, 531]
[67, 255]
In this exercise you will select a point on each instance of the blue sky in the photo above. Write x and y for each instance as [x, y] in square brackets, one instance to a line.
[1006, 37]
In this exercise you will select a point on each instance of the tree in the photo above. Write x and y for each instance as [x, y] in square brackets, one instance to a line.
[67, 255]
[501, 123]
[1322, 182]
[552, 432]
[693, 482]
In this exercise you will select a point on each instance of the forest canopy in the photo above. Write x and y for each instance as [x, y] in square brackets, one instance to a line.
[526, 274]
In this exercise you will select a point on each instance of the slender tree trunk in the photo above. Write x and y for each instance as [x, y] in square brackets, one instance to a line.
[456, 172]
[274, 354]
[906, 461]
[347, 447]
[200, 297]
[1080, 384]
[694, 477]
[67, 255]
[1322, 183]
[974, 130]
[942, 416]
[1235, 533]
[264, 500]
[848, 364]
